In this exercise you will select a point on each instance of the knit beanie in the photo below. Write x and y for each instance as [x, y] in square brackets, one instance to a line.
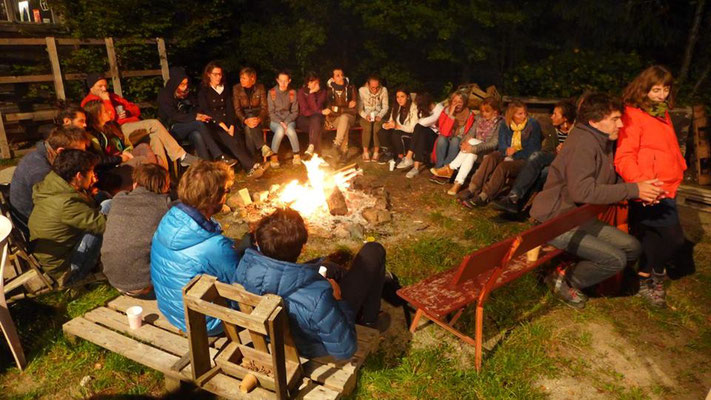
[92, 78]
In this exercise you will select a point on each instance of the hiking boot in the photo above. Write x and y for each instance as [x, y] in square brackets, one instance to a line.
[187, 160]
[382, 324]
[454, 189]
[229, 161]
[565, 292]
[256, 172]
[405, 164]
[444, 172]
[296, 160]
[274, 161]
[481, 200]
[412, 173]
[309, 151]
[384, 158]
[509, 204]
[651, 289]
[266, 151]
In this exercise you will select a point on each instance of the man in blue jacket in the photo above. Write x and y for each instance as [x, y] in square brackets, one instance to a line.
[322, 310]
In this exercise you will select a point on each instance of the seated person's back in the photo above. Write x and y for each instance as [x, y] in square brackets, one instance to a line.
[134, 218]
[188, 242]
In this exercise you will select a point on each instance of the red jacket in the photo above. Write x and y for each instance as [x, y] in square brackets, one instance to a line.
[445, 123]
[647, 148]
[132, 111]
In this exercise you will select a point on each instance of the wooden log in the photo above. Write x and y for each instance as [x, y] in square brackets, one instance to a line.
[56, 70]
[113, 66]
[337, 202]
[163, 55]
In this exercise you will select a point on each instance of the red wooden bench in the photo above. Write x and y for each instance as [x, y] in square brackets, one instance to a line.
[484, 270]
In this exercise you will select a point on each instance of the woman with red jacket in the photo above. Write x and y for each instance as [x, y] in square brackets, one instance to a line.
[647, 148]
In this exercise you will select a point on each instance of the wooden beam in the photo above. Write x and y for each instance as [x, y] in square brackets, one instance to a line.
[4, 146]
[163, 60]
[56, 70]
[76, 42]
[113, 66]
[26, 78]
[141, 72]
[43, 115]
[21, 42]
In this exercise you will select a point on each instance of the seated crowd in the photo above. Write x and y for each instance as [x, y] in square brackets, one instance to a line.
[98, 187]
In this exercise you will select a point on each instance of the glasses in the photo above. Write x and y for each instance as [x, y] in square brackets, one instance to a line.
[216, 73]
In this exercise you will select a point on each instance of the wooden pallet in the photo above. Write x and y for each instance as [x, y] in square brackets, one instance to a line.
[161, 346]
[694, 197]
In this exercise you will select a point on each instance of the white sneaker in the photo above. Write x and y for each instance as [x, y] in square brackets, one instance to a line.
[405, 163]
[412, 173]
[310, 150]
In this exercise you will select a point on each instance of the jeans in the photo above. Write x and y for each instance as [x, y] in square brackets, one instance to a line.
[84, 257]
[533, 168]
[604, 250]
[199, 135]
[446, 149]
[254, 140]
[235, 146]
[279, 135]
[362, 285]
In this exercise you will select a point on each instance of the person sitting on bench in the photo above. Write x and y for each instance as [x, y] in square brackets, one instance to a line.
[373, 106]
[283, 111]
[584, 172]
[134, 218]
[312, 103]
[250, 103]
[188, 242]
[66, 224]
[341, 111]
[35, 166]
[322, 310]
[398, 129]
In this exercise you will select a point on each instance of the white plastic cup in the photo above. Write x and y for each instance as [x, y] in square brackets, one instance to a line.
[119, 109]
[322, 271]
[135, 317]
[335, 108]
[392, 165]
[532, 255]
[372, 116]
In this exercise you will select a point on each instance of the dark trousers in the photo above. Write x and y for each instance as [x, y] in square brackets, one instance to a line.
[491, 175]
[659, 243]
[423, 140]
[313, 124]
[395, 140]
[199, 135]
[254, 139]
[235, 147]
[531, 172]
[362, 285]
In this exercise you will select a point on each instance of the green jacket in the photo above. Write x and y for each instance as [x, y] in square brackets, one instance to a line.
[59, 219]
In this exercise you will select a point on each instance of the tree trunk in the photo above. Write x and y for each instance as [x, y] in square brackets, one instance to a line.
[691, 42]
[337, 202]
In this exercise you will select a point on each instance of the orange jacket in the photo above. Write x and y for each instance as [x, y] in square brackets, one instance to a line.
[647, 148]
[133, 113]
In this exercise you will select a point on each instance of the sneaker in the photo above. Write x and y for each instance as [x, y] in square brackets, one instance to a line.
[309, 151]
[382, 324]
[439, 181]
[343, 157]
[465, 194]
[296, 160]
[406, 163]
[481, 200]
[256, 172]
[266, 151]
[508, 204]
[229, 161]
[384, 158]
[565, 292]
[651, 289]
[188, 160]
[444, 172]
[274, 161]
[412, 173]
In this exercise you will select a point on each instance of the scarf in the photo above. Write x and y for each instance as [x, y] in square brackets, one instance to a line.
[516, 142]
[461, 121]
[657, 109]
[485, 128]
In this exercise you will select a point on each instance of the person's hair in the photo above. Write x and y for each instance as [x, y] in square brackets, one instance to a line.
[596, 106]
[208, 70]
[408, 101]
[373, 77]
[66, 137]
[92, 110]
[69, 112]
[461, 94]
[514, 105]
[310, 77]
[203, 185]
[249, 71]
[281, 235]
[284, 72]
[152, 177]
[424, 101]
[71, 161]
[567, 109]
[492, 102]
[635, 94]
[337, 68]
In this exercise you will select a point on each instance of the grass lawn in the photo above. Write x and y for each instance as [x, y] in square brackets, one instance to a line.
[616, 348]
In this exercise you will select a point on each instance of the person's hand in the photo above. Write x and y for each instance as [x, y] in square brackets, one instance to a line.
[465, 147]
[559, 148]
[283, 124]
[326, 111]
[125, 156]
[336, 289]
[122, 114]
[352, 104]
[397, 126]
[252, 122]
[103, 94]
[650, 191]
[389, 125]
[510, 151]
[378, 119]
[231, 130]
[224, 127]
[202, 117]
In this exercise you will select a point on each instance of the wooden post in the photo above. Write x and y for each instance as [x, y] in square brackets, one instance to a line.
[113, 66]
[4, 146]
[163, 60]
[702, 145]
[56, 70]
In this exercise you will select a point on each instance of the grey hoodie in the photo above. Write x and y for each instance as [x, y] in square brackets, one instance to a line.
[373, 102]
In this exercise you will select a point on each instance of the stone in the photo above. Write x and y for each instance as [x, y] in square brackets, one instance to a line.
[341, 231]
[337, 202]
[376, 216]
[356, 231]
[382, 199]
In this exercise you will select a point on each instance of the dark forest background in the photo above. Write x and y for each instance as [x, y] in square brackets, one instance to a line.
[545, 48]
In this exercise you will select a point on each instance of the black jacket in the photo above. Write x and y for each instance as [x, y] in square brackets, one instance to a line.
[217, 105]
[172, 110]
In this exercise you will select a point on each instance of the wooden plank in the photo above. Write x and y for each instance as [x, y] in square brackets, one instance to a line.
[163, 55]
[26, 78]
[237, 293]
[113, 66]
[19, 281]
[44, 115]
[56, 70]
[78, 42]
[4, 145]
[310, 390]
[141, 72]
[22, 42]
[276, 334]
[199, 347]
[151, 314]
[225, 314]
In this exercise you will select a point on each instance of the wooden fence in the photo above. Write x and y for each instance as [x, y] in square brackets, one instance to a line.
[58, 78]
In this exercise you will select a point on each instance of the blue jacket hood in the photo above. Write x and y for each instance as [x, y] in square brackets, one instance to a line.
[185, 228]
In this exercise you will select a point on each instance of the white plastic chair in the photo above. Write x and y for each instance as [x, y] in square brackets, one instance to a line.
[8, 326]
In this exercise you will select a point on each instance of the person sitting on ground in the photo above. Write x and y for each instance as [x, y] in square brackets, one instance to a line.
[283, 110]
[189, 242]
[372, 108]
[423, 135]
[134, 218]
[453, 125]
[178, 109]
[322, 310]
[66, 224]
[396, 134]
[482, 138]
[584, 172]
[341, 110]
[519, 137]
[35, 166]
[127, 115]
[250, 102]
[536, 168]
[312, 104]
[215, 101]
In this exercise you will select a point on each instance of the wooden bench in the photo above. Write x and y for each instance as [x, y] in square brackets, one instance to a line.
[212, 363]
[484, 270]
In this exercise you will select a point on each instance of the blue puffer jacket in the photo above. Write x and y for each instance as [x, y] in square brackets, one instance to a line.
[320, 325]
[184, 246]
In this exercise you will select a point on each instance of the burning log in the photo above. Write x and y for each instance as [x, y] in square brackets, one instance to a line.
[337, 202]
